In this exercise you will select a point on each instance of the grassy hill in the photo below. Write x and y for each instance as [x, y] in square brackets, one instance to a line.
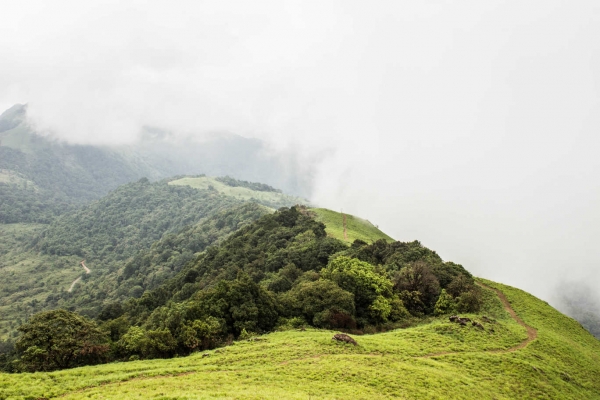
[356, 228]
[434, 360]
[271, 198]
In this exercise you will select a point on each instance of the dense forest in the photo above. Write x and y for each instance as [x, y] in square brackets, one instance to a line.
[280, 270]
[138, 236]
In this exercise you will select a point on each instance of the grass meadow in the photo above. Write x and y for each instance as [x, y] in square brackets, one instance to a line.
[436, 360]
[241, 193]
[356, 228]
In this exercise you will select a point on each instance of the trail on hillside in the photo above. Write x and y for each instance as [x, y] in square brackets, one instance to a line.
[531, 332]
[87, 271]
[73, 284]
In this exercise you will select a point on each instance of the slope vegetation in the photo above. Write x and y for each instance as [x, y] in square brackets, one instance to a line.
[236, 189]
[134, 239]
[561, 362]
[356, 228]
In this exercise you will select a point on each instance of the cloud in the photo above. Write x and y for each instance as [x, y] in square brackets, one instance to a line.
[472, 127]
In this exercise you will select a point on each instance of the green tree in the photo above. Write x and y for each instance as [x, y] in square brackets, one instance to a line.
[371, 290]
[419, 278]
[445, 304]
[322, 303]
[60, 339]
[241, 304]
[470, 301]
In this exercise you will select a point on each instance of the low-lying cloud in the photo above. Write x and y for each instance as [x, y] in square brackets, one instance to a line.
[472, 127]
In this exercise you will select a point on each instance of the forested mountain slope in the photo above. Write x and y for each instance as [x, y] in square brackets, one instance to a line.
[132, 240]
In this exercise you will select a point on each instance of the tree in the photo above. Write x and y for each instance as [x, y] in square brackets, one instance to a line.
[470, 301]
[322, 303]
[459, 285]
[371, 290]
[445, 304]
[60, 339]
[241, 304]
[418, 277]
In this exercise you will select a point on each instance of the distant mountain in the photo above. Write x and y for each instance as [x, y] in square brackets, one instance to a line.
[581, 302]
[41, 177]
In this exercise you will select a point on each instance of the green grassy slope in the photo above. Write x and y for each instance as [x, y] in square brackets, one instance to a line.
[436, 360]
[271, 199]
[356, 228]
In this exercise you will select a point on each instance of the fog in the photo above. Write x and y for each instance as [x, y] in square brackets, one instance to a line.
[473, 127]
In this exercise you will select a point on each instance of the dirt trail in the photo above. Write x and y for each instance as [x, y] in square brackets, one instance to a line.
[87, 271]
[73, 284]
[531, 332]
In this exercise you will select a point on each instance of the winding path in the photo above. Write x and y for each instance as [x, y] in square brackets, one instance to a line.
[87, 271]
[531, 332]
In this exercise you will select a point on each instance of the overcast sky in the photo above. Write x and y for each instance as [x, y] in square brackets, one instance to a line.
[473, 126]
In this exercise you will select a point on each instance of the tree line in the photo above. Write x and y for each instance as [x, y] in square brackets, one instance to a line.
[279, 271]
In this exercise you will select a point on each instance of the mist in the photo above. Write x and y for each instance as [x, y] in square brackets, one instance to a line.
[472, 127]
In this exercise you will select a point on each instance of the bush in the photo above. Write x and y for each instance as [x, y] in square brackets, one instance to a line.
[60, 339]
[470, 301]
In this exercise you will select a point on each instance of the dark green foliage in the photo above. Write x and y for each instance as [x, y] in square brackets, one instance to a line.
[260, 187]
[322, 303]
[139, 236]
[260, 249]
[397, 255]
[470, 301]
[7, 356]
[418, 278]
[60, 339]
[241, 304]
[129, 219]
[150, 267]
[21, 203]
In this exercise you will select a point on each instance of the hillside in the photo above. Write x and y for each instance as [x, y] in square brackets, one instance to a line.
[436, 360]
[356, 228]
[41, 177]
[133, 240]
[241, 190]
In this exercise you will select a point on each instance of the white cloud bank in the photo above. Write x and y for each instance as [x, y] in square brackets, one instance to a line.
[473, 127]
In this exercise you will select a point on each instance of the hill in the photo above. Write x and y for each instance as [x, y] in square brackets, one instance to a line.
[356, 228]
[437, 360]
[41, 177]
[241, 190]
[132, 240]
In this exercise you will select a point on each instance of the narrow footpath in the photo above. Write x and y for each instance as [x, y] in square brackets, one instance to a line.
[531, 332]
[76, 281]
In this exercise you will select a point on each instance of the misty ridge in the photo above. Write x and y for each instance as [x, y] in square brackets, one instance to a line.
[158, 154]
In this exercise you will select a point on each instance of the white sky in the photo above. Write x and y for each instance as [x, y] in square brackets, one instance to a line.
[473, 126]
